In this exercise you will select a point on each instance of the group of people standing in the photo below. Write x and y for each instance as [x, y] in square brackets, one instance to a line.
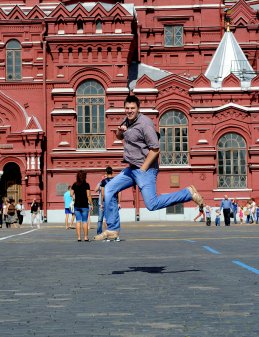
[78, 202]
[13, 215]
[230, 209]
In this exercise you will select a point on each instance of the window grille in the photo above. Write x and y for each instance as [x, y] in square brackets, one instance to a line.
[174, 149]
[173, 36]
[175, 209]
[91, 115]
[232, 164]
[13, 61]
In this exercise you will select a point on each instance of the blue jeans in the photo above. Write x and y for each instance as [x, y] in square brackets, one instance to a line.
[217, 221]
[100, 219]
[146, 181]
[81, 214]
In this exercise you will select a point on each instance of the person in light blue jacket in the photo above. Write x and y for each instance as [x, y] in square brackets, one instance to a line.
[226, 205]
[68, 209]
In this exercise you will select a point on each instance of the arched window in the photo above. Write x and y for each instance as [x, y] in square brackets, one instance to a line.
[231, 161]
[13, 61]
[90, 98]
[173, 127]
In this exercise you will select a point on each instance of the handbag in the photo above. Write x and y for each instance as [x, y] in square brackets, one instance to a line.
[23, 212]
[231, 215]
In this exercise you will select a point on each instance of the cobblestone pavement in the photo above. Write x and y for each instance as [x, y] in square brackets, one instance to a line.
[162, 279]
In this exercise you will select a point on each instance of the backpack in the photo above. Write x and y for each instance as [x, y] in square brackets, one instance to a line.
[11, 209]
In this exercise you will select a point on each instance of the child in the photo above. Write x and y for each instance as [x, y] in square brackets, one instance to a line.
[217, 219]
[208, 215]
[247, 212]
[241, 214]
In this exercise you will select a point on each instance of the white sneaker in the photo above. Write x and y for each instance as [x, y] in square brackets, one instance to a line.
[117, 239]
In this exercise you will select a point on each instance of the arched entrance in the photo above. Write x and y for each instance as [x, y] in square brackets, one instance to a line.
[11, 182]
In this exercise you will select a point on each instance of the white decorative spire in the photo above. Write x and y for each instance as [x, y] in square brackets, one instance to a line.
[229, 58]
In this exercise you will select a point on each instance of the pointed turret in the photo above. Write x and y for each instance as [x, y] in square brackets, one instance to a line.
[229, 59]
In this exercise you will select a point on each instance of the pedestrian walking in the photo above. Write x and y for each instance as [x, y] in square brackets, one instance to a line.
[5, 208]
[235, 209]
[20, 210]
[241, 214]
[252, 210]
[81, 193]
[217, 219]
[226, 205]
[1, 211]
[208, 215]
[257, 214]
[100, 221]
[11, 214]
[201, 213]
[141, 152]
[35, 213]
[247, 212]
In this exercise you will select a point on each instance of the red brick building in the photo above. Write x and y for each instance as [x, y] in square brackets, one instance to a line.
[66, 67]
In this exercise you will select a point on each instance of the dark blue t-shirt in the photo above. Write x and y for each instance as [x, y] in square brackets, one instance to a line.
[105, 181]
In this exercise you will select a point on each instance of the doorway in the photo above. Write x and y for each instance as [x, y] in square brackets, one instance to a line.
[11, 182]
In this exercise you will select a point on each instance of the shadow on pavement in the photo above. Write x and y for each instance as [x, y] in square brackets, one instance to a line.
[152, 270]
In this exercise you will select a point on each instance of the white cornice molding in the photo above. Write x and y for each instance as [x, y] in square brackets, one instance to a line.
[122, 110]
[62, 91]
[117, 89]
[222, 107]
[115, 110]
[63, 112]
[146, 90]
[224, 89]
[231, 190]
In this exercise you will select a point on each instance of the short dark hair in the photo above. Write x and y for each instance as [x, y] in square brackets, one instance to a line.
[108, 170]
[132, 99]
[20, 200]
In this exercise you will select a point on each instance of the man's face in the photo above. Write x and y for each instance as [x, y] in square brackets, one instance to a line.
[131, 110]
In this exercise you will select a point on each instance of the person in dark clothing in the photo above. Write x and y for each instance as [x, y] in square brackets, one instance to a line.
[35, 213]
[235, 209]
[81, 193]
[116, 197]
[1, 211]
[20, 211]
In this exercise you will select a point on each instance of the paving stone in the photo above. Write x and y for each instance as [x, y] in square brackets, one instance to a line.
[158, 281]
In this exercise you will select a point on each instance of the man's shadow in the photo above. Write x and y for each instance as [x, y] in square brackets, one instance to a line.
[152, 270]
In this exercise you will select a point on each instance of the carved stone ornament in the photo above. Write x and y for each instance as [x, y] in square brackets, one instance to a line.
[231, 114]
